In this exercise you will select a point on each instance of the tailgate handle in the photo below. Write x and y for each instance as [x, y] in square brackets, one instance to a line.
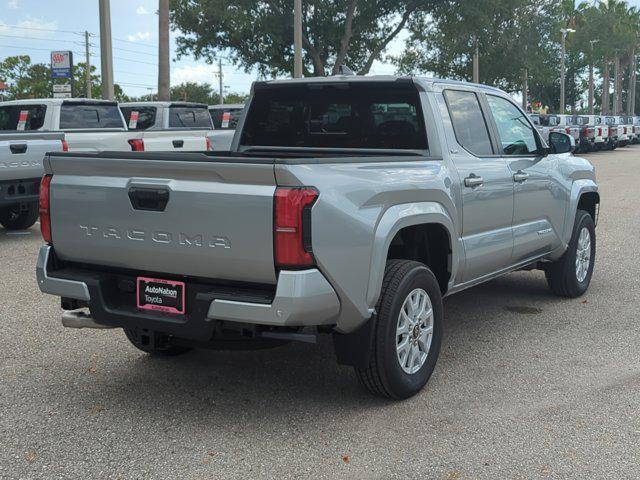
[18, 148]
[178, 143]
[149, 199]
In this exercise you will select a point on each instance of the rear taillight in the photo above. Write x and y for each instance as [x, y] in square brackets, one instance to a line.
[599, 131]
[568, 130]
[625, 130]
[137, 144]
[65, 146]
[45, 217]
[292, 226]
[209, 145]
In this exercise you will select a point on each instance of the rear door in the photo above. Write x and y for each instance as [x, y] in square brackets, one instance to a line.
[538, 213]
[485, 184]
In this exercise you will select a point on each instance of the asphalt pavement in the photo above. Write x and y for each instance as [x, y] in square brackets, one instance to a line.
[528, 385]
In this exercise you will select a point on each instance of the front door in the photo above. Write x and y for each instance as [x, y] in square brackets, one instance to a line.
[486, 188]
[538, 210]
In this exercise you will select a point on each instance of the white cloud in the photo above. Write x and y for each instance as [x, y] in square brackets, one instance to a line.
[12, 4]
[196, 72]
[142, 11]
[139, 36]
[32, 27]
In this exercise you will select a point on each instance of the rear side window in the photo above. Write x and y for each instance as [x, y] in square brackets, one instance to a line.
[89, 116]
[468, 122]
[342, 115]
[146, 117]
[189, 117]
[22, 117]
[225, 118]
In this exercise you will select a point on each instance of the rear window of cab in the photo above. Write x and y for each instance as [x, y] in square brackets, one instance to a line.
[81, 116]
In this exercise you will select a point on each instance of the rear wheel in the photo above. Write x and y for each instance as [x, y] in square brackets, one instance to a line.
[570, 276]
[19, 217]
[153, 344]
[407, 332]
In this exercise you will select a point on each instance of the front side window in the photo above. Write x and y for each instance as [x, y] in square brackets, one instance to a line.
[189, 117]
[468, 122]
[79, 116]
[517, 136]
[22, 117]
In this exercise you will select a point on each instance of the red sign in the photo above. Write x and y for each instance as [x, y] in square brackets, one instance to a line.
[22, 119]
[226, 117]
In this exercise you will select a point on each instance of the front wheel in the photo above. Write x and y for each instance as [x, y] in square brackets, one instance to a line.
[570, 276]
[17, 217]
[407, 332]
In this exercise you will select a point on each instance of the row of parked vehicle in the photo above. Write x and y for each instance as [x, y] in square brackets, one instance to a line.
[591, 132]
[31, 128]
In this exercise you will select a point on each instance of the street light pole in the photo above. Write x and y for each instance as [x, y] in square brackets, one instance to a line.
[591, 86]
[563, 68]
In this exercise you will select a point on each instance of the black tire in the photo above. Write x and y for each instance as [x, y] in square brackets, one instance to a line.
[153, 345]
[384, 376]
[17, 218]
[561, 275]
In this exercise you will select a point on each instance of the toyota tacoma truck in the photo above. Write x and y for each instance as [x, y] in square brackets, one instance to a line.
[89, 125]
[168, 126]
[21, 156]
[347, 206]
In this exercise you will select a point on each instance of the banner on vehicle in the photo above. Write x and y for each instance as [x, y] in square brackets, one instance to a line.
[226, 118]
[22, 119]
[133, 119]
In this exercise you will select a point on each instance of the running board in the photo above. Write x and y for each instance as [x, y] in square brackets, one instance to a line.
[80, 319]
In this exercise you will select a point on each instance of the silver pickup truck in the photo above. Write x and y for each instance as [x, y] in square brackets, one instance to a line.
[348, 206]
[21, 155]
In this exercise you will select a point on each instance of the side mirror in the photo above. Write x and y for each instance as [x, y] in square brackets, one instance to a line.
[561, 142]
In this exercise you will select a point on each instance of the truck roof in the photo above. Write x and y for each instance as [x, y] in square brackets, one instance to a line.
[222, 106]
[59, 101]
[164, 104]
[426, 83]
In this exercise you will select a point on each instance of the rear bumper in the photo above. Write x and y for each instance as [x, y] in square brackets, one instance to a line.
[19, 191]
[301, 298]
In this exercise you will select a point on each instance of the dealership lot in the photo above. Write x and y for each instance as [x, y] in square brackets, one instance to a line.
[527, 386]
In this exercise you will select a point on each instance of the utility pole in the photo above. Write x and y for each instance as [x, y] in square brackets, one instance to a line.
[297, 38]
[106, 54]
[87, 61]
[221, 81]
[563, 68]
[163, 50]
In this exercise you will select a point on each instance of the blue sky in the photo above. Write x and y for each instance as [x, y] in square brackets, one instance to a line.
[37, 27]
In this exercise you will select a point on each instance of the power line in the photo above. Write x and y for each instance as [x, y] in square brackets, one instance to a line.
[135, 43]
[40, 29]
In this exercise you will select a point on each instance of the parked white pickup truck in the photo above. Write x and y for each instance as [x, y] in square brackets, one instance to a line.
[21, 169]
[89, 125]
[168, 126]
[225, 119]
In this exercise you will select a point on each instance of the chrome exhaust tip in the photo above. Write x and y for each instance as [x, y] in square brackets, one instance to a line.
[80, 319]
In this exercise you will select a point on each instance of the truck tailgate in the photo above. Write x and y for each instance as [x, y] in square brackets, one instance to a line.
[21, 154]
[209, 219]
[175, 140]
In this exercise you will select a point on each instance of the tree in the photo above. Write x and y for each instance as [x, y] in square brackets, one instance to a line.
[259, 34]
[194, 92]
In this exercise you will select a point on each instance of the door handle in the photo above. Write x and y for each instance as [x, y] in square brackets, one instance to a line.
[520, 176]
[473, 181]
[149, 199]
[18, 148]
[178, 143]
